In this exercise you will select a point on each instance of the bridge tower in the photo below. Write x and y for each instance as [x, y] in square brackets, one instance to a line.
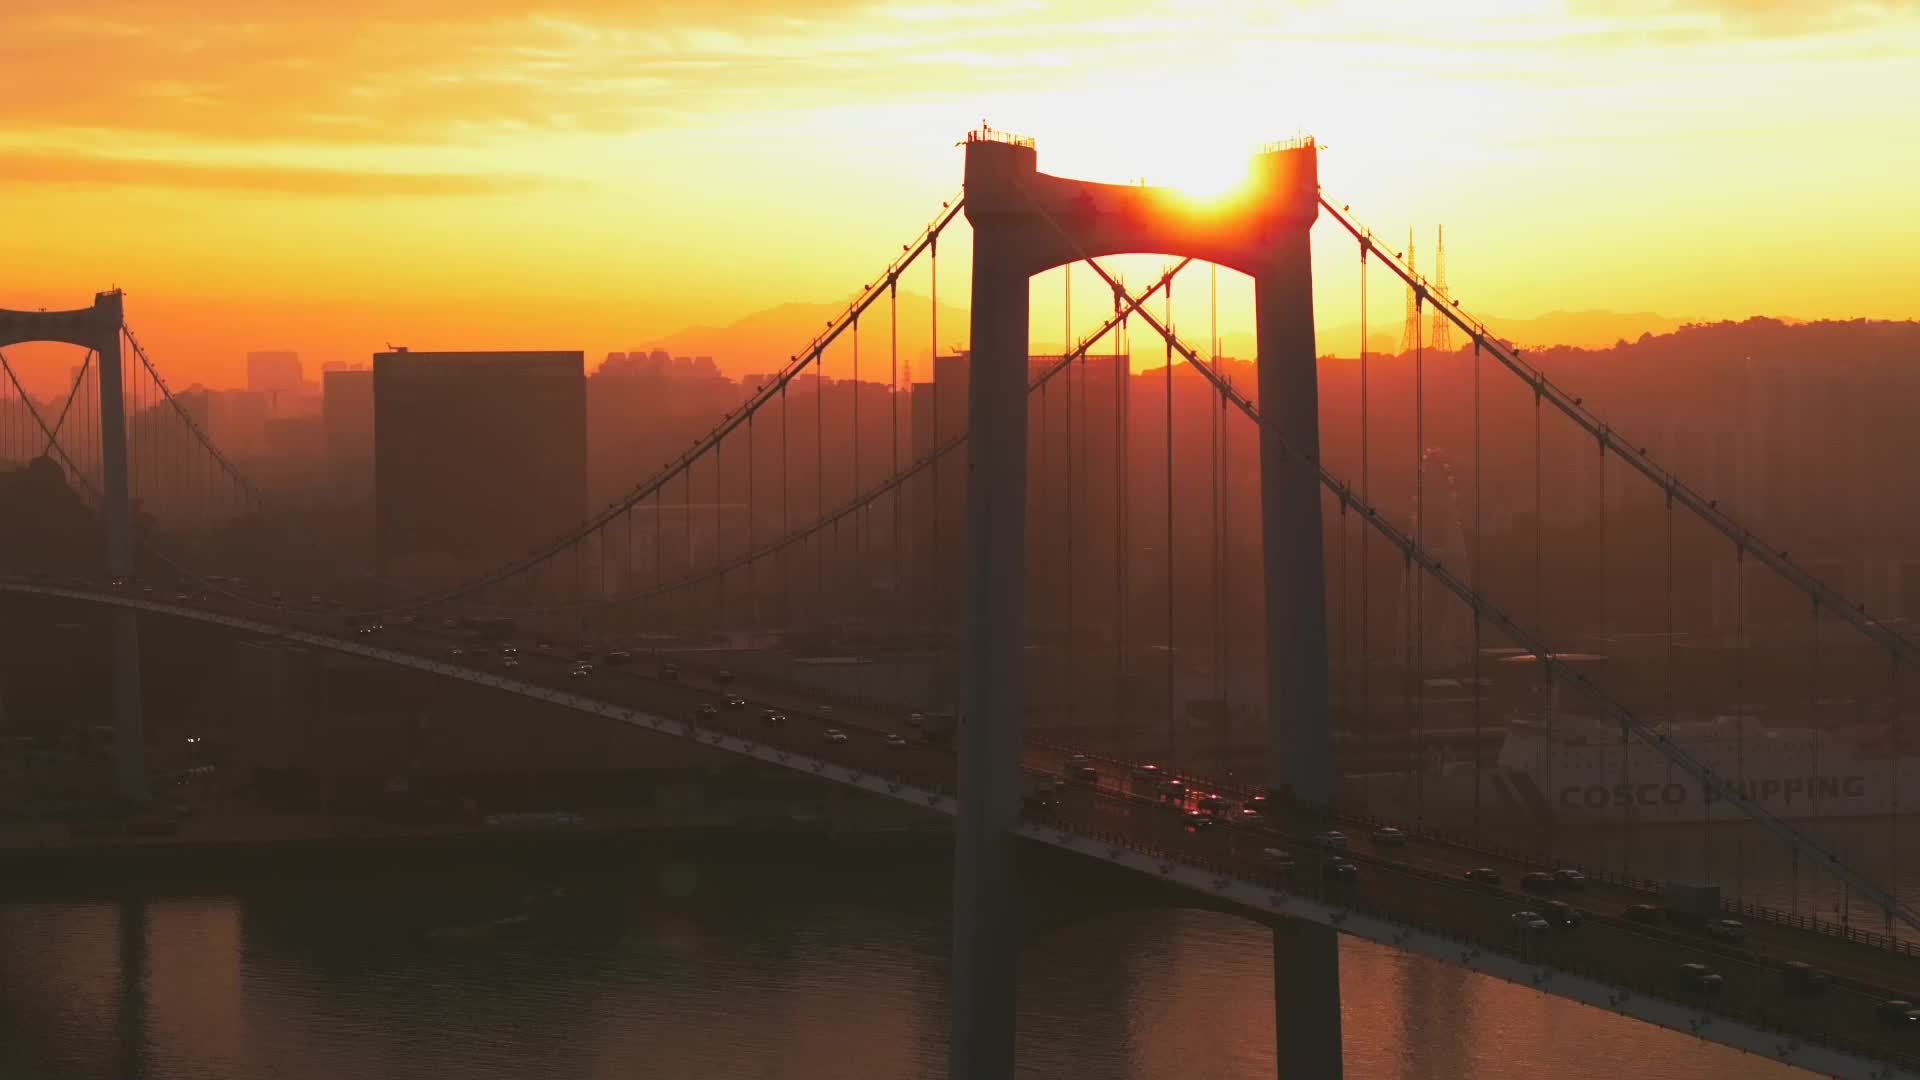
[1024, 222]
[100, 329]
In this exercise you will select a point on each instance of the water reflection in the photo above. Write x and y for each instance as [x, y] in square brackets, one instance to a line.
[748, 969]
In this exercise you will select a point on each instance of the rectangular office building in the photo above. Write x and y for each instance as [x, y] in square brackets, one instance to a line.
[478, 456]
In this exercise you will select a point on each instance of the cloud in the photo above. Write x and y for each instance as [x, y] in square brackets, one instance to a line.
[1763, 18]
[356, 71]
[32, 168]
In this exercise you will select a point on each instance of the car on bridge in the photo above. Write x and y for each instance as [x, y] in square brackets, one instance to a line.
[1484, 875]
[1531, 922]
[1276, 860]
[1332, 840]
[835, 735]
[1338, 869]
[670, 672]
[1803, 979]
[896, 741]
[708, 710]
[1196, 821]
[1645, 913]
[1538, 881]
[617, 657]
[1568, 878]
[579, 671]
[1388, 836]
[1559, 915]
[722, 677]
[1898, 1012]
[773, 719]
[1700, 979]
[1145, 774]
[1731, 931]
[736, 702]
[1083, 774]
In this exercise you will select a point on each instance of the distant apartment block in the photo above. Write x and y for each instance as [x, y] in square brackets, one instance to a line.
[477, 457]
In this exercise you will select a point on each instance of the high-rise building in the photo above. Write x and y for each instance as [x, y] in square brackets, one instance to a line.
[478, 456]
[347, 415]
[275, 374]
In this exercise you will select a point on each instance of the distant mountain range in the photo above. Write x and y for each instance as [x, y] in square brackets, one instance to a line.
[1581, 329]
[762, 341]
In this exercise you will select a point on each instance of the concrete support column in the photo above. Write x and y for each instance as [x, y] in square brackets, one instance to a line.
[1306, 1001]
[1306, 959]
[990, 714]
[129, 737]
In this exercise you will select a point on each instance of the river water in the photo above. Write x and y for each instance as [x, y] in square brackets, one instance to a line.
[816, 961]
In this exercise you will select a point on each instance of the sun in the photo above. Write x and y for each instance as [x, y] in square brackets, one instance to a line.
[1207, 175]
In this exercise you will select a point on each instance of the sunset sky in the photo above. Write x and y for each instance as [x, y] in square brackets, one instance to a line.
[499, 173]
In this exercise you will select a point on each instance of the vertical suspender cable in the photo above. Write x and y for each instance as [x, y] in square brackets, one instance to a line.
[820, 480]
[1072, 460]
[1213, 517]
[753, 564]
[860, 575]
[1896, 748]
[1418, 581]
[1479, 747]
[1539, 592]
[1172, 724]
[1740, 706]
[686, 521]
[1122, 547]
[1226, 538]
[893, 443]
[786, 519]
[1818, 730]
[1366, 566]
[941, 578]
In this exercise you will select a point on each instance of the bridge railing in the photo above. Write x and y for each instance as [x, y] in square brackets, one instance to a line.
[1359, 899]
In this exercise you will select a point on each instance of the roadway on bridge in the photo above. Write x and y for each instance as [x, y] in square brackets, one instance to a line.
[1420, 884]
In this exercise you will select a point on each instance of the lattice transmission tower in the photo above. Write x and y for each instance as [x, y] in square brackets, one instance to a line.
[1440, 332]
[1410, 335]
[1441, 336]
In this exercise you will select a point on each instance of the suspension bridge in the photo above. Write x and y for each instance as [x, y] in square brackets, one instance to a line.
[1049, 586]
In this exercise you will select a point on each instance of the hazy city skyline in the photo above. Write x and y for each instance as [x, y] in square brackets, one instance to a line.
[571, 176]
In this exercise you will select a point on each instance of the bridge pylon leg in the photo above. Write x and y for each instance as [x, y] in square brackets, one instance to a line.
[991, 702]
[1306, 959]
[129, 736]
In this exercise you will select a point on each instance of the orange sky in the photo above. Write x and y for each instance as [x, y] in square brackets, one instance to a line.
[596, 174]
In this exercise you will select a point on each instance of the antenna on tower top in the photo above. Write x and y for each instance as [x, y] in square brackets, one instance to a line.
[1442, 336]
[1410, 336]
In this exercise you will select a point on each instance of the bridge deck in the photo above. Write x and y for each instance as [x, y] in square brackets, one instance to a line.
[1420, 884]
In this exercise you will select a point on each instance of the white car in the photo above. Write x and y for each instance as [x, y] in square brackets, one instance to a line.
[1531, 921]
[897, 742]
[835, 735]
[1388, 836]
